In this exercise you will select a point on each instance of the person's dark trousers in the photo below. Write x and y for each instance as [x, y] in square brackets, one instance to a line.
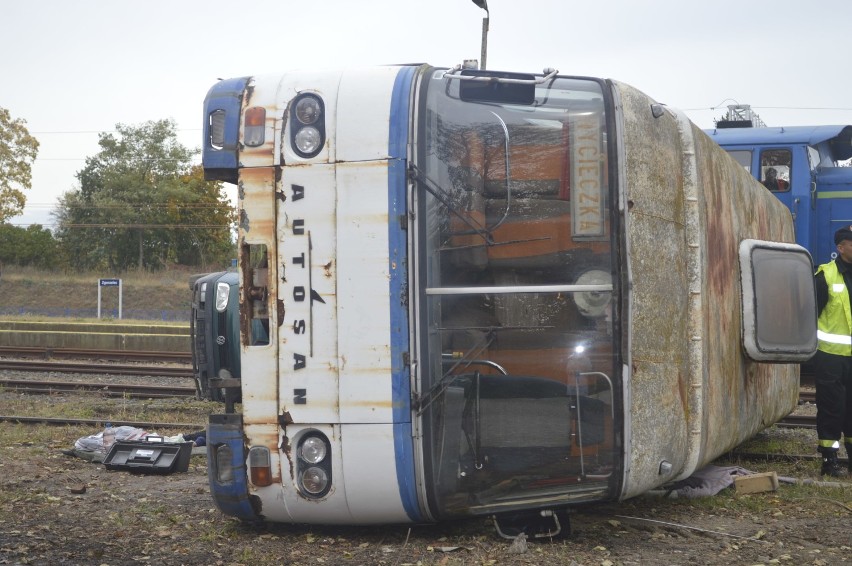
[834, 404]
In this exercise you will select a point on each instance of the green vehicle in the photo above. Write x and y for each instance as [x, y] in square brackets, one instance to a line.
[215, 331]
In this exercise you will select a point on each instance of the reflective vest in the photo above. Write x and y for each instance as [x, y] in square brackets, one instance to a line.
[834, 326]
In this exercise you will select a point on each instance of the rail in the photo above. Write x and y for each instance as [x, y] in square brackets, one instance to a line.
[34, 387]
[82, 353]
[113, 369]
[98, 423]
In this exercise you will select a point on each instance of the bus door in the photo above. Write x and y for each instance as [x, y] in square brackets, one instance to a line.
[518, 387]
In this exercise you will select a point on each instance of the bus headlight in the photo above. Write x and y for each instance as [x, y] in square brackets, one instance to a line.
[307, 125]
[223, 291]
[312, 450]
[308, 139]
[308, 110]
[314, 480]
[314, 464]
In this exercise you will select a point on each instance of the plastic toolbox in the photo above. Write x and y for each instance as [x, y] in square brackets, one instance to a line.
[149, 457]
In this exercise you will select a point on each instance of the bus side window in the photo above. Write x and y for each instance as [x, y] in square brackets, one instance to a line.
[776, 169]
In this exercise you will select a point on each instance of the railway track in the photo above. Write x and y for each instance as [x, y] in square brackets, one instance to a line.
[798, 421]
[78, 353]
[98, 423]
[34, 387]
[806, 396]
[94, 368]
[148, 391]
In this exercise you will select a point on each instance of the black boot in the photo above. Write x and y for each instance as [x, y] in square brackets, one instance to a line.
[830, 465]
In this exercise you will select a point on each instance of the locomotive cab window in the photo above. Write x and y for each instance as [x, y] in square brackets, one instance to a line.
[776, 169]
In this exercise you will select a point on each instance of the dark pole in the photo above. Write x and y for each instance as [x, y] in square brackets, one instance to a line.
[484, 5]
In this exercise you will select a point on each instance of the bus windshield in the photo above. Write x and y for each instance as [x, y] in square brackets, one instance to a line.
[515, 373]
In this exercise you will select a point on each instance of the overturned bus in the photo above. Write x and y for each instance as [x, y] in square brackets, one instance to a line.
[490, 293]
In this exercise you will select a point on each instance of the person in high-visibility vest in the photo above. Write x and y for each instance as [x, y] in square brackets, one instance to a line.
[833, 359]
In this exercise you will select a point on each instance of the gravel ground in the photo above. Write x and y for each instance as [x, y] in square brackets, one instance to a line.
[58, 509]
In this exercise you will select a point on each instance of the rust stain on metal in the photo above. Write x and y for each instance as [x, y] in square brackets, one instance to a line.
[689, 206]
[287, 451]
[327, 269]
[279, 305]
[245, 311]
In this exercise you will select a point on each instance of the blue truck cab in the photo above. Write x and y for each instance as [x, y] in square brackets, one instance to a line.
[802, 166]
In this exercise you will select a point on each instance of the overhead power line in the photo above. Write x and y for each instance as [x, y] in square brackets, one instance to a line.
[192, 206]
[111, 131]
[170, 226]
[146, 225]
[157, 159]
[773, 108]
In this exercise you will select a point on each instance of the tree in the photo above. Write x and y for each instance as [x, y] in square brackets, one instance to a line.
[142, 202]
[33, 245]
[18, 150]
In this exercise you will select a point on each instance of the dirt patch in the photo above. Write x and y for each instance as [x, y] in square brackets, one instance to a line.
[124, 518]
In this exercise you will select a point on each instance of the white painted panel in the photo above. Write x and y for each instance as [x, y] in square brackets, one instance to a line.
[363, 293]
[307, 271]
[363, 113]
[324, 84]
[372, 488]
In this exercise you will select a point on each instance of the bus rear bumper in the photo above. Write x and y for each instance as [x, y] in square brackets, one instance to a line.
[226, 467]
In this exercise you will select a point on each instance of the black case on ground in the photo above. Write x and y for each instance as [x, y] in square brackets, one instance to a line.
[149, 457]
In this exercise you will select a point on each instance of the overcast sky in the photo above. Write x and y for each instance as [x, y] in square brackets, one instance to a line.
[72, 69]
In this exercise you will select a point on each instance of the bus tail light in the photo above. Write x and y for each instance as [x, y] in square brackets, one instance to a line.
[224, 464]
[259, 466]
[254, 126]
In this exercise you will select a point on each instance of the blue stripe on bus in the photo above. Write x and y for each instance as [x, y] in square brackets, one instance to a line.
[398, 269]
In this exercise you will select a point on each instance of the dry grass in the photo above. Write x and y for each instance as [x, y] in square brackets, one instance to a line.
[124, 518]
[27, 287]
